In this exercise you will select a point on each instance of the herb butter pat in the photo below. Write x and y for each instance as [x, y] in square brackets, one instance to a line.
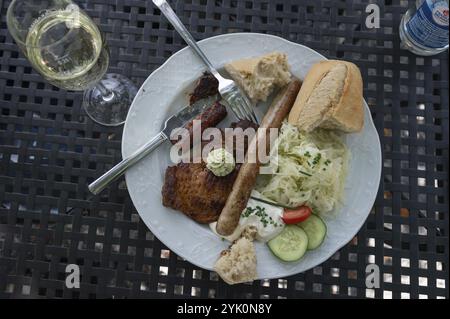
[220, 162]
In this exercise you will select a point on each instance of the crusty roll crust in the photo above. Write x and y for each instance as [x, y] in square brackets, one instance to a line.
[339, 105]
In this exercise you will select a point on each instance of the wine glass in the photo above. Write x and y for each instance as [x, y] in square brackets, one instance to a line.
[66, 47]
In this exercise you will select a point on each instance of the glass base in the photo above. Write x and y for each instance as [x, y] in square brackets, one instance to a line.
[109, 101]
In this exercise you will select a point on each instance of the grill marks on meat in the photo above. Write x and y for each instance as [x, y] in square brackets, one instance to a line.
[195, 191]
[207, 85]
[192, 189]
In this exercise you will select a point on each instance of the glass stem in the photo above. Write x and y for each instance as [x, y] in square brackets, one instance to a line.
[107, 94]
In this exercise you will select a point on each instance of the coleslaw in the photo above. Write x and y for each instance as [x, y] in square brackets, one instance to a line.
[307, 169]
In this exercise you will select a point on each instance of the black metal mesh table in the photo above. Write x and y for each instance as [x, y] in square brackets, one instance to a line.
[50, 150]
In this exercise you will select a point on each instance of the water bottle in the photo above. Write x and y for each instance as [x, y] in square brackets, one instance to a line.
[424, 29]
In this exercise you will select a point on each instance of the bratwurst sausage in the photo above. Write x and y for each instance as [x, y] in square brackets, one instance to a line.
[246, 179]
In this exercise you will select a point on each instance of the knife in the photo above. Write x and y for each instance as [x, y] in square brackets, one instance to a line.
[176, 121]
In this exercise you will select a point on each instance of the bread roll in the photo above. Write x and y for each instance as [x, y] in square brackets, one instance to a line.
[259, 76]
[331, 98]
[238, 263]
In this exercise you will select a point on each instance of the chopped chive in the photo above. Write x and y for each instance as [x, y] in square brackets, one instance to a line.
[304, 173]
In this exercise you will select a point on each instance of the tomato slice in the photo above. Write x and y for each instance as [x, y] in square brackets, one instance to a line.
[296, 215]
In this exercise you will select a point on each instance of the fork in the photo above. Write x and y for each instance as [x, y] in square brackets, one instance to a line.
[239, 103]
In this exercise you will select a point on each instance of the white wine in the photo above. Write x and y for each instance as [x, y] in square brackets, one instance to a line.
[67, 48]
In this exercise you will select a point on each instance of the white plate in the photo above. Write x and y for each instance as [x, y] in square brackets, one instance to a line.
[165, 91]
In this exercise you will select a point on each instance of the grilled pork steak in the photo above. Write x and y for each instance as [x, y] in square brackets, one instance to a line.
[192, 189]
[195, 191]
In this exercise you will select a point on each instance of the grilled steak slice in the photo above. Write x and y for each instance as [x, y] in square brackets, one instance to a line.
[209, 118]
[207, 85]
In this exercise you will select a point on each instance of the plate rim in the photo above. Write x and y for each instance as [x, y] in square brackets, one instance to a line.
[238, 34]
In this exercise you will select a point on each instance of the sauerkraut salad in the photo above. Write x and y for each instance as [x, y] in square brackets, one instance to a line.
[310, 169]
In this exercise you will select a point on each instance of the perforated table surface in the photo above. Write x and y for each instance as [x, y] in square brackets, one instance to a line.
[50, 150]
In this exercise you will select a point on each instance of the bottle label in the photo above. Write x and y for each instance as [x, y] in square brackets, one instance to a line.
[429, 25]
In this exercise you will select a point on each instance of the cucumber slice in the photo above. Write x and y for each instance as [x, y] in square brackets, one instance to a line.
[316, 230]
[290, 245]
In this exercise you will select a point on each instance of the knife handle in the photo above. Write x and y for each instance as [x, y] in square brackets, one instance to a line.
[103, 181]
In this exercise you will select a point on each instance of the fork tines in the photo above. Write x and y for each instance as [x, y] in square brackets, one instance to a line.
[240, 105]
